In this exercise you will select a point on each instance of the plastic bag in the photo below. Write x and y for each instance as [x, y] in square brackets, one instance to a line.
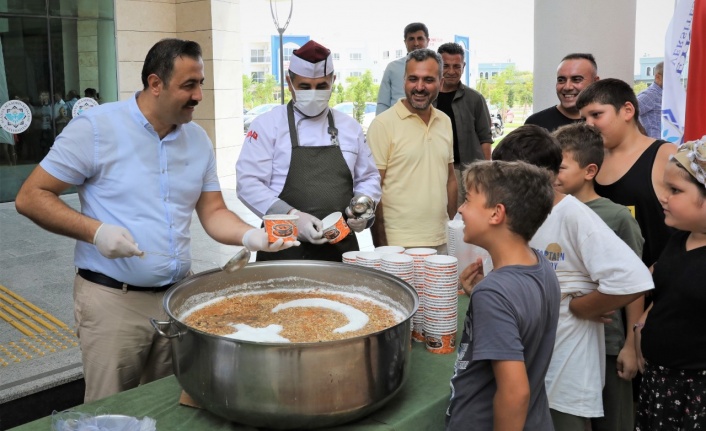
[76, 421]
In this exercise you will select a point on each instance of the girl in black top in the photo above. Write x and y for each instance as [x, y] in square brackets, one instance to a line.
[673, 345]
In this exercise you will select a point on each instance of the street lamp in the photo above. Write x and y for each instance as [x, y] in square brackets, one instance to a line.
[280, 30]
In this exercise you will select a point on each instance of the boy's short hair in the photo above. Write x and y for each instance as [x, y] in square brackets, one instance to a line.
[525, 190]
[584, 142]
[531, 144]
[609, 91]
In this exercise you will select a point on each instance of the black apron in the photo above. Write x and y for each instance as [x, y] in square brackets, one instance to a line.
[319, 182]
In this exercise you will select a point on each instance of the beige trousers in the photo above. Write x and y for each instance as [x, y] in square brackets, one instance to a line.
[119, 347]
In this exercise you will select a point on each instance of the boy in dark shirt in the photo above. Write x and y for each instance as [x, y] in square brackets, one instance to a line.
[510, 326]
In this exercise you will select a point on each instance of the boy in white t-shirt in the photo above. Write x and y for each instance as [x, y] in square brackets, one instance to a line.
[597, 273]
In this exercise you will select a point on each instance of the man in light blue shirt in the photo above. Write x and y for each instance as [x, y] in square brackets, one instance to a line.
[141, 168]
[416, 36]
[650, 105]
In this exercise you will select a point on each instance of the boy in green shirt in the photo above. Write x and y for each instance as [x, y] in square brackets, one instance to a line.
[582, 150]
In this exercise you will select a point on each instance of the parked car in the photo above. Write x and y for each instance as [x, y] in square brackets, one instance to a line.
[254, 112]
[347, 108]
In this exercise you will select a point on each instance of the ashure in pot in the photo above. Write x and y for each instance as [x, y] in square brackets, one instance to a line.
[290, 385]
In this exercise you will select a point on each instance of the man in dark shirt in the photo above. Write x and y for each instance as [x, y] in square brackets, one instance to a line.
[468, 111]
[575, 72]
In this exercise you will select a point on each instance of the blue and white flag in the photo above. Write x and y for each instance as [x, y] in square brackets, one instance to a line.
[676, 47]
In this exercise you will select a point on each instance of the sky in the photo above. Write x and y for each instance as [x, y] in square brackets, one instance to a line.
[499, 30]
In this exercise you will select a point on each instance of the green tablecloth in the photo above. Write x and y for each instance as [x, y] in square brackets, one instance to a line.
[420, 404]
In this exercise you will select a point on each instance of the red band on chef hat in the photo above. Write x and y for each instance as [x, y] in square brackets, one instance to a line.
[312, 60]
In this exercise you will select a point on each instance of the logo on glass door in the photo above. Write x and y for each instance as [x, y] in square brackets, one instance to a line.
[82, 105]
[15, 116]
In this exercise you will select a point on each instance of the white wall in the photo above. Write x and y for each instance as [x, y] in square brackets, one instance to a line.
[605, 28]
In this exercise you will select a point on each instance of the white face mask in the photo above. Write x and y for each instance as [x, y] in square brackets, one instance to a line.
[311, 102]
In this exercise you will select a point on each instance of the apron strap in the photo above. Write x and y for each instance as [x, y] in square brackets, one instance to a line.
[294, 136]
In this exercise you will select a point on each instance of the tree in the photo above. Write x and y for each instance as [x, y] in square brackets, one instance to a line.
[361, 89]
[260, 93]
[338, 95]
[248, 100]
[507, 88]
[640, 87]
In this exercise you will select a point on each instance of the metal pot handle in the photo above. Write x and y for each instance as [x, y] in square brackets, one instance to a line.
[156, 324]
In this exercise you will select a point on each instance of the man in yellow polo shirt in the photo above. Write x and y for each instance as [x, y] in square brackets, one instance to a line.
[412, 144]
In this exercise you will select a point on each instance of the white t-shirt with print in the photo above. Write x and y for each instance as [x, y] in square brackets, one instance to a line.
[586, 255]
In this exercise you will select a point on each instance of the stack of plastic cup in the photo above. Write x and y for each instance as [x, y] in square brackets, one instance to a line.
[369, 259]
[440, 303]
[350, 257]
[418, 256]
[400, 265]
[389, 249]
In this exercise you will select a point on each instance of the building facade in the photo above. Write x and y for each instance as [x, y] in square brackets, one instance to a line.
[53, 48]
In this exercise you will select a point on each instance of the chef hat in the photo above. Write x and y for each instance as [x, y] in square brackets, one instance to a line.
[692, 156]
[312, 60]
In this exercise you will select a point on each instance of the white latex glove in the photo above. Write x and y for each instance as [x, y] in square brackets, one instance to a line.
[311, 229]
[256, 240]
[115, 241]
[357, 224]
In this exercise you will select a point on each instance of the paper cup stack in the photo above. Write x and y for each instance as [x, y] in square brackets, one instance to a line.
[369, 259]
[350, 257]
[418, 256]
[400, 265]
[466, 253]
[440, 303]
[389, 249]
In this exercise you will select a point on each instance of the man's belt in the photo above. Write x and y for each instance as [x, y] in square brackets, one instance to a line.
[104, 280]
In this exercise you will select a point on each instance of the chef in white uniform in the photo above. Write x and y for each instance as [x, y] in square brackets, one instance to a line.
[306, 159]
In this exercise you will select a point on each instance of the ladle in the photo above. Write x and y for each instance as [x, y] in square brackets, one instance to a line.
[239, 259]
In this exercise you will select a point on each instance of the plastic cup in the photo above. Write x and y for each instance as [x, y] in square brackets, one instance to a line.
[281, 226]
[441, 344]
[389, 249]
[349, 257]
[335, 228]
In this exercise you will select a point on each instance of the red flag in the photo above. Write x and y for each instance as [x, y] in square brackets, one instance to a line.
[695, 119]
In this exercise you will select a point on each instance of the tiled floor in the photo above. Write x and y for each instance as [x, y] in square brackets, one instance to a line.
[36, 274]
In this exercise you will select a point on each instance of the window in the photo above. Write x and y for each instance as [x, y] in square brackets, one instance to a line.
[257, 56]
[649, 71]
[398, 53]
[287, 53]
[258, 76]
[355, 74]
[336, 56]
[385, 55]
[42, 42]
[356, 56]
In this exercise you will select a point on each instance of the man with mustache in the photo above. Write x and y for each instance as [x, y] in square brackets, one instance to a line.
[141, 167]
[575, 72]
[412, 144]
[468, 111]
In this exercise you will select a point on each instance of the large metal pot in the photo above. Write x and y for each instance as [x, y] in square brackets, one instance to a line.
[290, 385]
